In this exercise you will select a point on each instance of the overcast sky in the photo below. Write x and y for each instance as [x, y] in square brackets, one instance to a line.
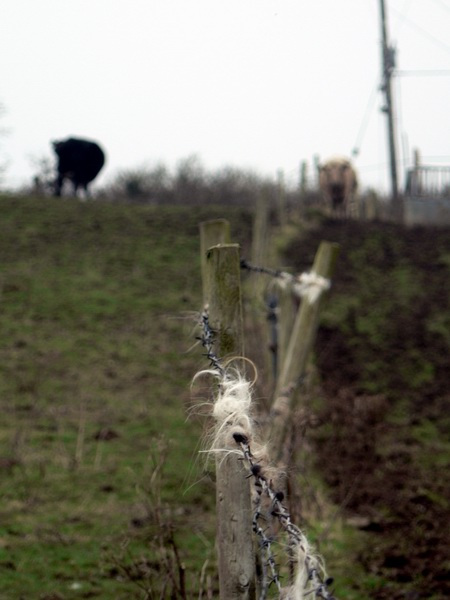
[254, 84]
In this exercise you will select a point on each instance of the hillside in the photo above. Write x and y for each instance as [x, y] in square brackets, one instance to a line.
[96, 322]
[382, 355]
[102, 491]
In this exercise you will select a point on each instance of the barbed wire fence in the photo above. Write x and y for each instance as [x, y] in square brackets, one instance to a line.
[233, 411]
[307, 284]
[300, 573]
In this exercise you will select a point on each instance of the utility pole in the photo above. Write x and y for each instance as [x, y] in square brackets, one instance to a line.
[388, 62]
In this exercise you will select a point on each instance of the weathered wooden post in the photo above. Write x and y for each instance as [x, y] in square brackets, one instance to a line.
[260, 220]
[300, 344]
[222, 294]
[287, 309]
[260, 242]
[261, 296]
[281, 199]
[212, 233]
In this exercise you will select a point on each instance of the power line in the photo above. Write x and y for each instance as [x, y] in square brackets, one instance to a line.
[438, 158]
[424, 73]
[442, 5]
[423, 31]
[365, 120]
[401, 15]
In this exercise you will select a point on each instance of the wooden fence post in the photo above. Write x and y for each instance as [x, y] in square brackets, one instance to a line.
[260, 296]
[260, 230]
[300, 344]
[281, 200]
[236, 560]
[287, 309]
[260, 243]
[212, 232]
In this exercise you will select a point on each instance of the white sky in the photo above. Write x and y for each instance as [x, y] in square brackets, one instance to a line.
[254, 84]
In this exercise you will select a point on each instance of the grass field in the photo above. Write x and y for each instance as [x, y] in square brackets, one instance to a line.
[102, 491]
[96, 324]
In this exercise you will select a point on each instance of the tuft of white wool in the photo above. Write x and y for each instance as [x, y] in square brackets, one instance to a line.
[310, 572]
[285, 279]
[302, 575]
[307, 285]
[233, 400]
[310, 285]
[231, 411]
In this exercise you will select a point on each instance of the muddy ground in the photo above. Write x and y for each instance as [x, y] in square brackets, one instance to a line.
[383, 357]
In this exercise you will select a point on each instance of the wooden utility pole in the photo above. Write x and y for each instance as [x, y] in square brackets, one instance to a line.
[388, 64]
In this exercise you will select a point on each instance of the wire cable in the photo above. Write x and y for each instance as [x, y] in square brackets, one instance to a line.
[423, 32]
[365, 120]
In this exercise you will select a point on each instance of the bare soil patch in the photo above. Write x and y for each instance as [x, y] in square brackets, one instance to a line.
[383, 354]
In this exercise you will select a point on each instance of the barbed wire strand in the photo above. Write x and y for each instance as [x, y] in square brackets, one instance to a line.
[207, 341]
[295, 536]
[315, 578]
[307, 284]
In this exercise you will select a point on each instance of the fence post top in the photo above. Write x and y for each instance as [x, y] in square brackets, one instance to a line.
[220, 246]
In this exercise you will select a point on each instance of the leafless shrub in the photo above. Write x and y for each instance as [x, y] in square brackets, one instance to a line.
[159, 573]
[191, 184]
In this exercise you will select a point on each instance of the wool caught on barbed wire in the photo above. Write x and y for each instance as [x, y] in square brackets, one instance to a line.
[234, 432]
[308, 285]
[310, 578]
[232, 412]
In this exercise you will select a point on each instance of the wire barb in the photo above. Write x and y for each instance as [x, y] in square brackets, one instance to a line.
[207, 341]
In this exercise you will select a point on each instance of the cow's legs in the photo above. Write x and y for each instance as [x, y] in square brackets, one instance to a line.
[58, 185]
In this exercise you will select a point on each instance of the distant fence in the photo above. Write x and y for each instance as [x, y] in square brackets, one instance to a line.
[427, 196]
[428, 182]
[244, 511]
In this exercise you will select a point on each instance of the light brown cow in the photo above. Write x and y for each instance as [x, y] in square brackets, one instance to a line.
[338, 183]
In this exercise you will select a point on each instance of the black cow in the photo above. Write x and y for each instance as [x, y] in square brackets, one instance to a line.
[79, 161]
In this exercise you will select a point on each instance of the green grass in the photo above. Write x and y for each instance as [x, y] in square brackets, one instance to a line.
[99, 464]
[95, 321]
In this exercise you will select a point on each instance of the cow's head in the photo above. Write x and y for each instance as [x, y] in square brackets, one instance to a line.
[335, 172]
[57, 146]
[334, 179]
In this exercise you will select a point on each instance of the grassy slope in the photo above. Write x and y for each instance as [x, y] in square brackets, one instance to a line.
[382, 354]
[94, 380]
[94, 389]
